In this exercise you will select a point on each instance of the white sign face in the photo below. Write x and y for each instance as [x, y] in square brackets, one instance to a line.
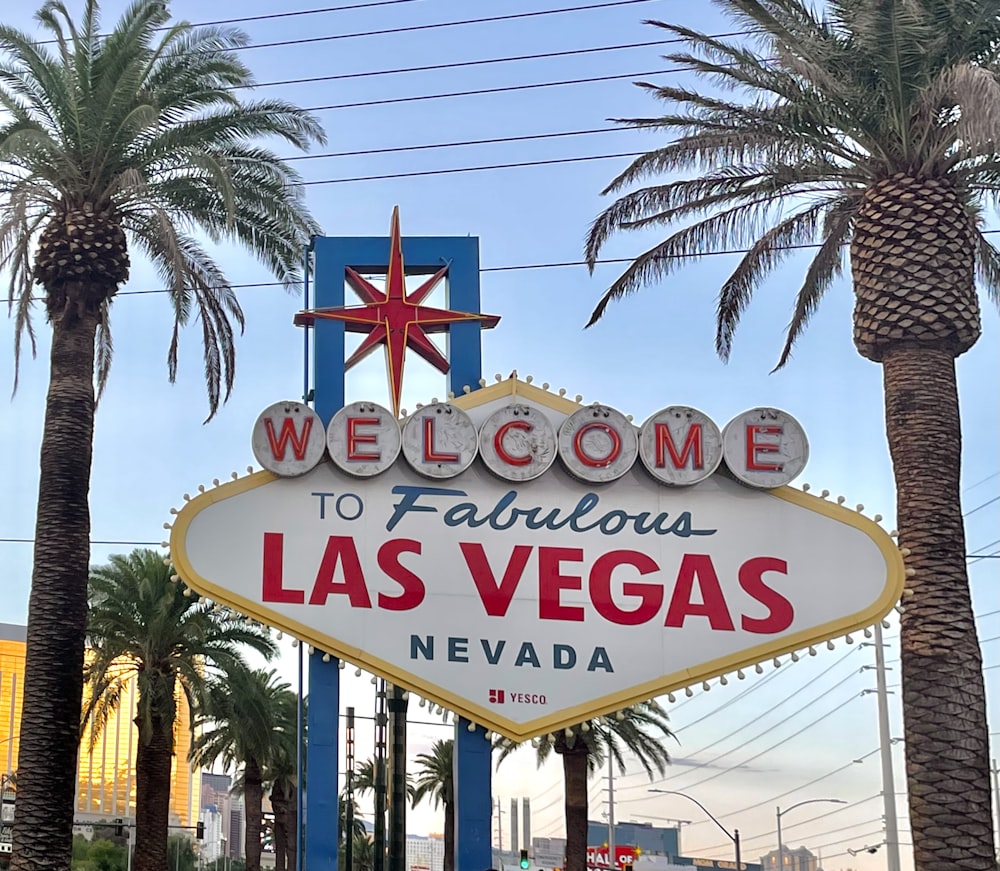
[534, 606]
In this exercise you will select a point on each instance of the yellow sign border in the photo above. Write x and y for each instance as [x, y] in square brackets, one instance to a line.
[488, 717]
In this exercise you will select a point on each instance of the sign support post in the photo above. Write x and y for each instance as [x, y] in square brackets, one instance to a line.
[472, 751]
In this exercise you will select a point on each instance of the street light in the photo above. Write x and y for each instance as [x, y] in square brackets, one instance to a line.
[733, 836]
[781, 813]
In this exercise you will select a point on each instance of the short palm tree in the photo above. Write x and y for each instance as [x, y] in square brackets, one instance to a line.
[872, 128]
[435, 780]
[138, 137]
[639, 731]
[244, 722]
[142, 626]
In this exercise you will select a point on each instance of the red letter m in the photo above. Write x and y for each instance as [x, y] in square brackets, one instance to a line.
[280, 442]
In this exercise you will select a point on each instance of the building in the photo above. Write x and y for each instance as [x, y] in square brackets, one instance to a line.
[795, 859]
[216, 795]
[424, 854]
[106, 770]
[651, 840]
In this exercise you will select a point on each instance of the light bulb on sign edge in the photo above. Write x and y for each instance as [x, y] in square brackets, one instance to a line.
[688, 692]
[758, 668]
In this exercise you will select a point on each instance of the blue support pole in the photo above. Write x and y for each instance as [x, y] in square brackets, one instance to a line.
[473, 760]
[473, 798]
[323, 743]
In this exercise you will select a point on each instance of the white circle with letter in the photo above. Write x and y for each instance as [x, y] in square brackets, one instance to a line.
[680, 445]
[765, 447]
[288, 439]
[597, 444]
[363, 439]
[517, 443]
[440, 440]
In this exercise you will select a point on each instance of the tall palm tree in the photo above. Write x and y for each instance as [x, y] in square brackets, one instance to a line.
[241, 723]
[281, 774]
[435, 780]
[135, 137]
[144, 627]
[585, 747]
[874, 128]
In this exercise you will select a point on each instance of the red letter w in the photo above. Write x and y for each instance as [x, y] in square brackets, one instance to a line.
[278, 443]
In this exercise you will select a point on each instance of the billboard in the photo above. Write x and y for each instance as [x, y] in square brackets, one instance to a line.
[529, 562]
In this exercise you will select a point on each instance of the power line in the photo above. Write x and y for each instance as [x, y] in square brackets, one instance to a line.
[460, 169]
[495, 140]
[453, 65]
[478, 92]
[838, 810]
[414, 28]
[742, 727]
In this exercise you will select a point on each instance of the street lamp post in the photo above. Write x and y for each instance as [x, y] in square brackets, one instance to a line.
[780, 813]
[733, 836]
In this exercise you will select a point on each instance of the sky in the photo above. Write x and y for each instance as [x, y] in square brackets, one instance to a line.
[805, 731]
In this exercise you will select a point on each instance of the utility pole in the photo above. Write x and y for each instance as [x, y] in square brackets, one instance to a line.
[349, 810]
[397, 769]
[612, 850]
[885, 747]
[499, 824]
[381, 719]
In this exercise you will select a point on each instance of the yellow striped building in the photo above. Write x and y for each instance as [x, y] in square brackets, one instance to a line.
[106, 774]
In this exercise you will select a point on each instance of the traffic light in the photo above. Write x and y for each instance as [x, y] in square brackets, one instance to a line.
[524, 863]
[119, 827]
[200, 831]
[627, 865]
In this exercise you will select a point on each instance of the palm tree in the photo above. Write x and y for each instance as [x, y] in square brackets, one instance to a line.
[435, 779]
[282, 775]
[134, 137]
[872, 128]
[145, 627]
[584, 749]
[241, 722]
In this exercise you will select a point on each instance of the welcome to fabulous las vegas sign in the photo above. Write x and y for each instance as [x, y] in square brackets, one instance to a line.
[530, 562]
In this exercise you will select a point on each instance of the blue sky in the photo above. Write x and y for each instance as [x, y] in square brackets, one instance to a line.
[651, 351]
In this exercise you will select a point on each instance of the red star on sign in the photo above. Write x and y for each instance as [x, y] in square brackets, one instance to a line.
[395, 318]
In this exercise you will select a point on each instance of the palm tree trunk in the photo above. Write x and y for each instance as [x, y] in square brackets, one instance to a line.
[944, 702]
[279, 804]
[57, 608]
[449, 836]
[152, 796]
[292, 826]
[575, 777]
[253, 794]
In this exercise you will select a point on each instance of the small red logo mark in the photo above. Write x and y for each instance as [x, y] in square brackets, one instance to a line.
[496, 697]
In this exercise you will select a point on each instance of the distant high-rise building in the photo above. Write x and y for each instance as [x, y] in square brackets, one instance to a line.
[424, 854]
[106, 771]
[795, 859]
[215, 794]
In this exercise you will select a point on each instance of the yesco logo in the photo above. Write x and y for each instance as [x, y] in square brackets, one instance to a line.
[499, 697]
